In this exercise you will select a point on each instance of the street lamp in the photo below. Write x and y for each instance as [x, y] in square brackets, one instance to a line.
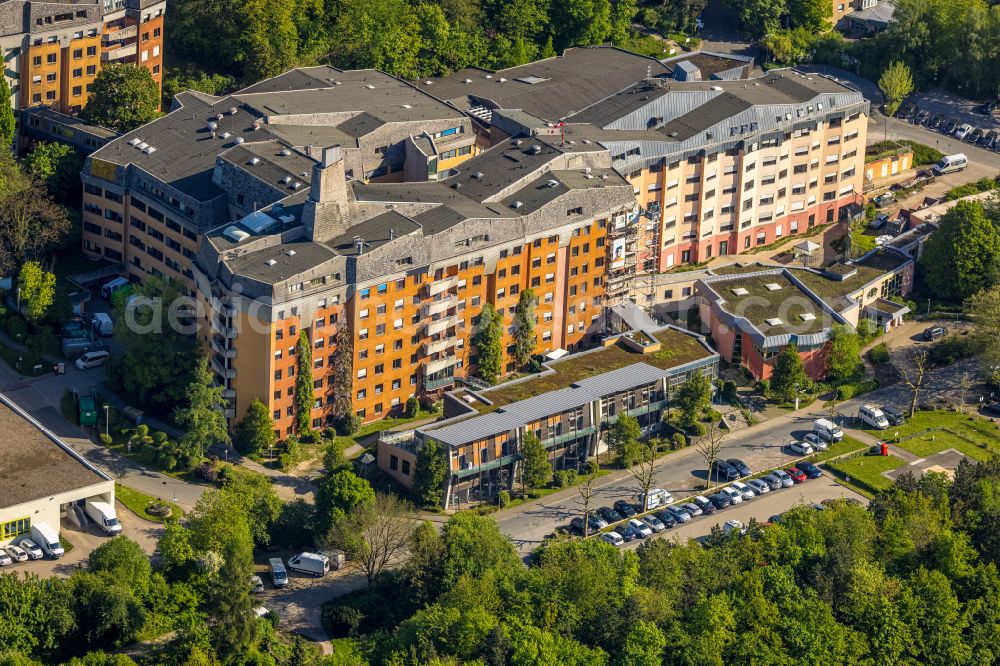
[796, 396]
[107, 425]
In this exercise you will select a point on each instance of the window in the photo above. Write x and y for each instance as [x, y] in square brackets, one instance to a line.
[14, 528]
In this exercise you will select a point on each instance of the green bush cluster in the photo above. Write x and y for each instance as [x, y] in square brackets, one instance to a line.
[879, 354]
[848, 391]
[564, 478]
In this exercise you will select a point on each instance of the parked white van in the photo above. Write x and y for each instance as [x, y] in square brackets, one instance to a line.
[873, 416]
[828, 430]
[111, 287]
[92, 359]
[103, 325]
[951, 163]
[279, 576]
[48, 539]
[310, 563]
[104, 515]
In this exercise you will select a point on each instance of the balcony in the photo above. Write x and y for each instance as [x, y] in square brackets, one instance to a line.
[434, 367]
[441, 325]
[439, 346]
[440, 382]
[128, 32]
[438, 286]
[439, 307]
[228, 373]
[120, 53]
[219, 346]
[228, 394]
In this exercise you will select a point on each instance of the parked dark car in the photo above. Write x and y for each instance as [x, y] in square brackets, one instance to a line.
[810, 470]
[948, 127]
[706, 505]
[739, 466]
[596, 522]
[992, 409]
[666, 518]
[974, 136]
[610, 515]
[934, 122]
[723, 471]
[626, 532]
[893, 415]
[719, 500]
[934, 333]
[576, 526]
[680, 514]
[988, 108]
[625, 509]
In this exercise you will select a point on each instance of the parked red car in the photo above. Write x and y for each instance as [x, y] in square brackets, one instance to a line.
[798, 476]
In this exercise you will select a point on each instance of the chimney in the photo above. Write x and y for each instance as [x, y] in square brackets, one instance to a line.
[327, 211]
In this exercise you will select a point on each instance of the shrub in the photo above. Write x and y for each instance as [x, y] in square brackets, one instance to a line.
[678, 441]
[848, 391]
[207, 471]
[729, 391]
[348, 425]
[329, 433]
[344, 621]
[68, 406]
[951, 350]
[845, 391]
[564, 478]
[412, 405]
[16, 326]
[592, 467]
[503, 499]
[106, 439]
[697, 429]
[764, 387]
[879, 354]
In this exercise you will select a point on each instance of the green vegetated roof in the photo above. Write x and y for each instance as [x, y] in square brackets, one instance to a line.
[835, 292]
[739, 269]
[761, 298]
[677, 349]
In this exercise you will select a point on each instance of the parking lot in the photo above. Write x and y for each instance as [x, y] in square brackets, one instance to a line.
[761, 508]
[85, 541]
[951, 117]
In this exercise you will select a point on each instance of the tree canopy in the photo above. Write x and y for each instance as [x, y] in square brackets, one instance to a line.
[963, 256]
[789, 374]
[256, 431]
[488, 342]
[122, 97]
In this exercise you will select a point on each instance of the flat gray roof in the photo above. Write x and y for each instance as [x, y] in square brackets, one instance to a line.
[33, 466]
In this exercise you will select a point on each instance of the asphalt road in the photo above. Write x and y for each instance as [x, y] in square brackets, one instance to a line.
[684, 474]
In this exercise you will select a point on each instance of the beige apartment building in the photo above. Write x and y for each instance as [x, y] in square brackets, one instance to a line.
[324, 198]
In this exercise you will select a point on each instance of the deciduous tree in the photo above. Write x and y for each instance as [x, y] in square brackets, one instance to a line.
[709, 446]
[57, 165]
[623, 439]
[962, 257]
[337, 496]
[789, 374]
[256, 431]
[844, 359]
[693, 398]
[122, 97]
[912, 366]
[375, 535]
[535, 468]
[31, 223]
[36, 290]
[895, 83]
[7, 121]
[429, 474]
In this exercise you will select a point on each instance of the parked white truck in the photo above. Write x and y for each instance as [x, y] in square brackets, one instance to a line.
[104, 515]
[47, 539]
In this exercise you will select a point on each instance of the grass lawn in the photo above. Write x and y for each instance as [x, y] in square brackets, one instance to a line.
[390, 422]
[11, 356]
[935, 442]
[138, 502]
[868, 470]
[973, 435]
[846, 445]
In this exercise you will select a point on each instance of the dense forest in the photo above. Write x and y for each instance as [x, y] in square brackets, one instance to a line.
[254, 39]
[912, 579]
